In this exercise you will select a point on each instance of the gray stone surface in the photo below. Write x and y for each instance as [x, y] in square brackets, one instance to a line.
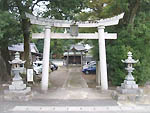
[18, 91]
[129, 87]
[69, 106]
[129, 82]
[15, 95]
[16, 86]
[17, 83]
[133, 97]
[129, 91]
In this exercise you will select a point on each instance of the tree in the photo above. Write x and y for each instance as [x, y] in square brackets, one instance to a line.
[10, 32]
[133, 35]
[3, 70]
[56, 8]
[11, 27]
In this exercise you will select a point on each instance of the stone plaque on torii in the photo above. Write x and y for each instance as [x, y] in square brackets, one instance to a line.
[101, 36]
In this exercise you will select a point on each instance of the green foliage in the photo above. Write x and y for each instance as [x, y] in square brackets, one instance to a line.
[10, 31]
[137, 41]
[133, 35]
[64, 9]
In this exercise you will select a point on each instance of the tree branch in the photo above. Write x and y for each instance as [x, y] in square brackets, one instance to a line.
[133, 12]
[36, 4]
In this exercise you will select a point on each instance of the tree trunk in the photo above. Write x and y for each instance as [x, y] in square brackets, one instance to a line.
[6, 57]
[25, 23]
[133, 12]
[26, 34]
[4, 75]
[4, 5]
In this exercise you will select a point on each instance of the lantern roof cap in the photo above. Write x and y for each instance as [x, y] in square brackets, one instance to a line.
[17, 59]
[129, 60]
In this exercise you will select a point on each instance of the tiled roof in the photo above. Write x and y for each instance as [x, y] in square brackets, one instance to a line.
[78, 47]
[20, 47]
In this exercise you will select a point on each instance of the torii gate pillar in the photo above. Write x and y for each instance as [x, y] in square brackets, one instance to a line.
[45, 67]
[101, 36]
[102, 58]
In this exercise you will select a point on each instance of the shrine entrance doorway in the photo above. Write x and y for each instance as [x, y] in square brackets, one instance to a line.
[100, 36]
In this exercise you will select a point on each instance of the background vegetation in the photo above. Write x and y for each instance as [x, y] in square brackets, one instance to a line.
[133, 35]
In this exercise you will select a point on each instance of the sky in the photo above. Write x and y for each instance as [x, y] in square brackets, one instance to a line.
[40, 7]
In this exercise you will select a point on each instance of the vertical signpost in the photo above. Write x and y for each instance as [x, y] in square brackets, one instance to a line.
[29, 75]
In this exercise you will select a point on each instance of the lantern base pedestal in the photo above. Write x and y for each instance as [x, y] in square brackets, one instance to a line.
[134, 98]
[17, 85]
[23, 95]
[129, 87]
[18, 91]
[128, 91]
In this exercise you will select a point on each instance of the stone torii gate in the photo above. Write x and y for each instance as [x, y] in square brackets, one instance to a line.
[101, 36]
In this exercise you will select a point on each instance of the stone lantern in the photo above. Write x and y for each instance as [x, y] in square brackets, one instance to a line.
[16, 66]
[129, 90]
[17, 90]
[130, 69]
[129, 86]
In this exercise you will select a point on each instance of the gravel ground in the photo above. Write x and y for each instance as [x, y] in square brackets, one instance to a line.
[58, 77]
[90, 79]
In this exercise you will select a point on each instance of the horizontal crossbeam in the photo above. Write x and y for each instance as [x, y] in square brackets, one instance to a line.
[80, 36]
[66, 23]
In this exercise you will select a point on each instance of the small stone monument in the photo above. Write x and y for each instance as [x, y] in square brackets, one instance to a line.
[129, 87]
[17, 90]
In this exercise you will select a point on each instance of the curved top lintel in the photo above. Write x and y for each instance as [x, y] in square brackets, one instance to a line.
[66, 23]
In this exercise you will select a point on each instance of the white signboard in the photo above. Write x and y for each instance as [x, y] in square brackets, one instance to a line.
[30, 75]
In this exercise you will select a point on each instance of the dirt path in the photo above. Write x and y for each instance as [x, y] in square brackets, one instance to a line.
[69, 83]
[75, 79]
[58, 77]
